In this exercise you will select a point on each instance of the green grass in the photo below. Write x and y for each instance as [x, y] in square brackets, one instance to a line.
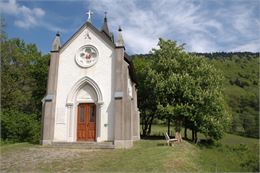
[145, 156]
[9, 147]
[232, 154]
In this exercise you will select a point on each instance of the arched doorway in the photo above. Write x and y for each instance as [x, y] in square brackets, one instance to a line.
[86, 113]
[84, 105]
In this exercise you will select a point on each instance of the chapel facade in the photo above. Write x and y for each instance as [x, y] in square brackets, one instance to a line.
[91, 93]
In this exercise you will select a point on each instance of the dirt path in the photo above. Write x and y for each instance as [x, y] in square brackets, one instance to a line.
[35, 158]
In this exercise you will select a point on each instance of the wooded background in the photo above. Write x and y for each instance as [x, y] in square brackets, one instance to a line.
[24, 72]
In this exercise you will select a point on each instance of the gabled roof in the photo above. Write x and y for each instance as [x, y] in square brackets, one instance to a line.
[103, 35]
[87, 25]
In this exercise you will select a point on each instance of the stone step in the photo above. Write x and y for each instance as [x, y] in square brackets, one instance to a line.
[83, 145]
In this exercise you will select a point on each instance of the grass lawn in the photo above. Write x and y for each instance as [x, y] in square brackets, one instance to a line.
[233, 154]
[145, 156]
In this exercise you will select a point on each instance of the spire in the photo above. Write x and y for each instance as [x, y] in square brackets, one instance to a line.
[56, 42]
[105, 27]
[120, 41]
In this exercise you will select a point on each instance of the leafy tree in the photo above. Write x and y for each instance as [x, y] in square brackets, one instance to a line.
[23, 76]
[23, 84]
[147, 98]
[190, 90]
[19, 127]
[241, 83]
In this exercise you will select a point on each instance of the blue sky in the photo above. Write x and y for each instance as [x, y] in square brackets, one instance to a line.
[204, 25]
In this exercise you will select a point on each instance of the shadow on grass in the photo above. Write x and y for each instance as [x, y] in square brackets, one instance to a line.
[162, 144]
[202, 143]
[152, 137]
[207, 143]
[161, 139]
[155, 137]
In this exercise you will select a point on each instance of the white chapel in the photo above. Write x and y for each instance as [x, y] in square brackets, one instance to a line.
[91, 94]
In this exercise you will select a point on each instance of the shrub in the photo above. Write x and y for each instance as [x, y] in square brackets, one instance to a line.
[19, 127]
[250, 163]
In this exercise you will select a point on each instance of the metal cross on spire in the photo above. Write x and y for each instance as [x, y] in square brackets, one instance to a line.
[89, 13]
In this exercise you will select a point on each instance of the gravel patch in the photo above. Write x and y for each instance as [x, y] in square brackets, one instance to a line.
[29, 159]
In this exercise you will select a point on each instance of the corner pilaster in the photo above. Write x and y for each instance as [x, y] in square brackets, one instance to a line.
[49, 101]
[123, 123]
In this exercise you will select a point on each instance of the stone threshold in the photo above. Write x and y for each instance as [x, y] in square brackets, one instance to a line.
[83, 145]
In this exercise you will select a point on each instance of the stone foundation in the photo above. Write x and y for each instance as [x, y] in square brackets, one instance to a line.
[123, 143]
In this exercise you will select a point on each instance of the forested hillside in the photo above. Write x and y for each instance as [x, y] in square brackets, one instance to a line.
[241, 72]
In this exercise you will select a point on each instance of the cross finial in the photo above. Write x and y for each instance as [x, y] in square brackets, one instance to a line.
[105, 14]
[58, 33]
[119, 28]
[89, 13]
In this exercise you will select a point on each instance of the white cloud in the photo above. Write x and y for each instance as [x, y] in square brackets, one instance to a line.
[139, 43]
[39, 12]
[26, 17]
[202, 27]
[52, 27]
[253, 46]
[9, 8]
[201, 44]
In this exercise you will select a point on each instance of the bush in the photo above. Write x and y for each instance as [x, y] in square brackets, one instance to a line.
[251, 164]
[19, 127]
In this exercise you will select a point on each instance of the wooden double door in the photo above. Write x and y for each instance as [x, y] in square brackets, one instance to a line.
[86, 125]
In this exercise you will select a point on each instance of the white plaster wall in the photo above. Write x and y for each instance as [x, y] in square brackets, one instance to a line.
[69, 73]
[87, 95]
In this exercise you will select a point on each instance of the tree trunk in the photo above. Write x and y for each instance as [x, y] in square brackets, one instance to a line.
[150, 125]
[185, 128]
[193, 136]
[149, 128]
[147, 124]
[169, 124]
[196, 137]
[178, 131]
[185, 132]
[145, 129]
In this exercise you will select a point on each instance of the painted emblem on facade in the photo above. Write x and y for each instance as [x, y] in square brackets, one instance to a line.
[86, 56]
